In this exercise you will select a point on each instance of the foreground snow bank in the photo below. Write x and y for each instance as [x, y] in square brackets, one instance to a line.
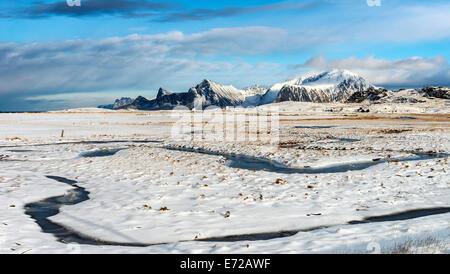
[145, 193]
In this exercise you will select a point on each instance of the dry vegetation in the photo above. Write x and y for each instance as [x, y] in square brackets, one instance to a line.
[428, 245]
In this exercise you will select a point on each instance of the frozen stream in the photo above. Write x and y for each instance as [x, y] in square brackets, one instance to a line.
[41, 211]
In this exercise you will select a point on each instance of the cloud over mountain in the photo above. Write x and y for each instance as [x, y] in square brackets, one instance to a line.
[134, 62]
[406, 72]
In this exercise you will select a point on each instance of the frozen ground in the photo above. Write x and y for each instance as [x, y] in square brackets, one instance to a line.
[190, 191]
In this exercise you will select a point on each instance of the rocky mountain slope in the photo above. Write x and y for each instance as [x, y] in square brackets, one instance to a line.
[381, 95]
[340, 86]
[332, 86]
[211, 93]
[207, 93]
[124, 101]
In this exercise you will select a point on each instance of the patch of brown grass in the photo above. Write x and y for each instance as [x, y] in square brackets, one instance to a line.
[428, 245]
[393, 130]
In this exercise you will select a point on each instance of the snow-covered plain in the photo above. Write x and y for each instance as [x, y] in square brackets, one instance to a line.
[172, 199]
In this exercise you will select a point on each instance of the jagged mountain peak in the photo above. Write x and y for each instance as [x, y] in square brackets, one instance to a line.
[162, 92]
[323, 87]
[329, 86]
[140, 97]
[255, 86]
[212, 93]
[254, 90]
[205, 82]
[213, 84]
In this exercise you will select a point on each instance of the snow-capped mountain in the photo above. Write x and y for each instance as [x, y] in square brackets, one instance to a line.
[164, 100]
[253, 95]
[207, 93]
[122, 102]
[211, 93]
[272, 93]
[254, 90]
[330, 86]
[118, 103]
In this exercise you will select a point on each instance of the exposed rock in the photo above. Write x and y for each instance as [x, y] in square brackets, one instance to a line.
[300, 94]
[362, 110]
[211, 93]
[168, 100]
[163, 92]
[436, 92]
[110, 106]
[141, 103]
[205, 94]
[403, 100]
[118, 103]
[124, 101]
[332, 86]
[371, 94]
[253, 95]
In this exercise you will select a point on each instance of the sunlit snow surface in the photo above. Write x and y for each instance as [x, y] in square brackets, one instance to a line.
[122, 159]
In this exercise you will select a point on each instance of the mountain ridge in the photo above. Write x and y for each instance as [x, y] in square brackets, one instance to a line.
[325, 87]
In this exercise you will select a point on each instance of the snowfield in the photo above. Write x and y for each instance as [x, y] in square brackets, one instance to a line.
[314, 187]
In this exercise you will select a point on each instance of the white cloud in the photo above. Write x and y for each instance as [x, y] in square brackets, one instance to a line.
[393, 22]
[176, 60]
[413, 71]
[406, 23]
[135, 61]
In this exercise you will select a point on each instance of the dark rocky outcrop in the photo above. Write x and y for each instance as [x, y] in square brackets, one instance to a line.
[363, 110]
[403, 100]
[168, 100]
[141, 103]
[300, 94]
[215, 94]
[436, 92]
[118, 103]
[371, 94]
[333, 86]
[110, 106]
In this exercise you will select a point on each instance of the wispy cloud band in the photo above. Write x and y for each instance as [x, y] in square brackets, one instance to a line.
[159, 11]
[205, 14]
[124, 8]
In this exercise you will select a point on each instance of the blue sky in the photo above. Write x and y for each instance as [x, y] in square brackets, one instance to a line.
[55, 56]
